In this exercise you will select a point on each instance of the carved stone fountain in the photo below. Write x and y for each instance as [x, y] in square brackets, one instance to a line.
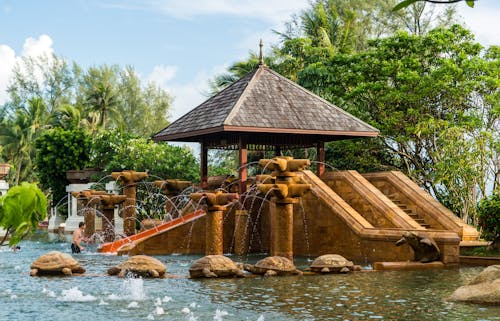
[285, 188]
[88, 199]
[129, 180]
[108, 203]
[216, 205]
[171, 188]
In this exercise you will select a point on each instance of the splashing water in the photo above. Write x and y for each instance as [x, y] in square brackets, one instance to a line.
[133, 305]
[75, 295]
[49, 293]
[134, 288]
[219, 314]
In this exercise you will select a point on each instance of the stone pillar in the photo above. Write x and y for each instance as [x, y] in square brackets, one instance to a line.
[285, 190]
[129, 180]
[282, 230]
[204, 165]
[320, 152]
[243, 159]
[171, 188]
[214, 244]
[216, 206]
[108, 203]
[240, 232]
[113, 188]
[75, 215]
[86, 201]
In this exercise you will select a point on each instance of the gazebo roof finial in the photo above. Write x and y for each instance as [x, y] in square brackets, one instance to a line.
[261, 56]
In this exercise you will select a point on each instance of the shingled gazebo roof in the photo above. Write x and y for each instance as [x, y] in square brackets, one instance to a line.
[268, 109]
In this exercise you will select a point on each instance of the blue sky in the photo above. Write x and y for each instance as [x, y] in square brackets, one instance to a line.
[178, 44]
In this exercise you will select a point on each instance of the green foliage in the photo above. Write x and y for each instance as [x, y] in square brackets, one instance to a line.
[58, 151]
[406, 3]
[488, 212]
[363, 154]
[433, 98]
[105, 144]
[158, 159]
[21, 209]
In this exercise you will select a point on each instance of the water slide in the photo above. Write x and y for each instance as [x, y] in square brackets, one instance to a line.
[114, 247]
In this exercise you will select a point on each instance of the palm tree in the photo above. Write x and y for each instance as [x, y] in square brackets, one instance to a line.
[100, 93]
[18, 133]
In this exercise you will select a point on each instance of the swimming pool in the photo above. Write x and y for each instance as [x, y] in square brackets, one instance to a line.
[388, 295]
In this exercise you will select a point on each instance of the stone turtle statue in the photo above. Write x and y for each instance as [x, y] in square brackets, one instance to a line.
[331, 263]
[424, 248]
[55, 263]
[213, 266]
[272, 266]
[140, 266]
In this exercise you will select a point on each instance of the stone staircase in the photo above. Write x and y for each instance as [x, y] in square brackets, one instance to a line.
[410, 211]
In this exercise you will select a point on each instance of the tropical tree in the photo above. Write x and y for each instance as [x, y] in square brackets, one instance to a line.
[141, 110]
[100, 92]
[57, 151]
[17, 133]
[435, 100]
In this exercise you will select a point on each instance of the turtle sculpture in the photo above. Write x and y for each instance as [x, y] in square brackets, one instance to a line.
[331, 263]
[273, 265]
[424, 248]
[139, 266]
[55, 263]
[213, 266]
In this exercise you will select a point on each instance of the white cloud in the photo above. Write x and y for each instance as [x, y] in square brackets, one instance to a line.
[161, 75]
[32, 47]
[36, 47]
[186, 95]
[482, 20]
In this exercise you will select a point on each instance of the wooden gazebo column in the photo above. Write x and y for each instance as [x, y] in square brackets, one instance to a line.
[243, 171]
[204, 165]
[320, 152]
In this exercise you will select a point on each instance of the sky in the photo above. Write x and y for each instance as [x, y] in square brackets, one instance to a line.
[179, 44]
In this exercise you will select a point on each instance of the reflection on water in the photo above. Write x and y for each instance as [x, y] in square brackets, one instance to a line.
[390, 295]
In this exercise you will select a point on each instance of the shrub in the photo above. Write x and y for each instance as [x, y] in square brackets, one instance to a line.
[489, 217]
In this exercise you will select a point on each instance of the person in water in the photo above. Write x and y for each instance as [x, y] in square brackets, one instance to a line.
[76, 246]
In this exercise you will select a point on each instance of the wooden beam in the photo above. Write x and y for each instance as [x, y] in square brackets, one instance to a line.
[320, 152]
[243, 171]
[204, 165]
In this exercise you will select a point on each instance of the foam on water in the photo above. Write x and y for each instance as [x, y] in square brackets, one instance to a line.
[166, 299]
[75, 295]
[219, 314]
[133, 305]
[49, 293]
[159, 311]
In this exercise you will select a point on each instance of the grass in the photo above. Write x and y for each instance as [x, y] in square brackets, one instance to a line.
[480, 251]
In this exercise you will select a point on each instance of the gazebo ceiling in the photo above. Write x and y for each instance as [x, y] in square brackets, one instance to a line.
[263, 103]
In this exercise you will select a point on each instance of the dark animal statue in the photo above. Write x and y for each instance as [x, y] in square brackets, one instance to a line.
[424, 248]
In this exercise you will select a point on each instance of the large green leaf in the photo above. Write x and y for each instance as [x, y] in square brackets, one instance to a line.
[21, 209]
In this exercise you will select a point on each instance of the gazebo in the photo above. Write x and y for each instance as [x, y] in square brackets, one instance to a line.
[264, 111]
